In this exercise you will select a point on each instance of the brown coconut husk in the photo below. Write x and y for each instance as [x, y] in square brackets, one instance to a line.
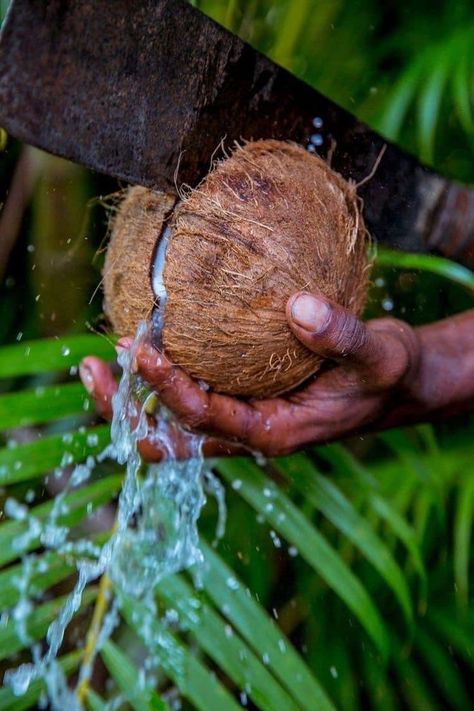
[135, 230]
[268, 221]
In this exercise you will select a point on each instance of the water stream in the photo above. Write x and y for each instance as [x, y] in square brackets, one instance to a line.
[155, 532]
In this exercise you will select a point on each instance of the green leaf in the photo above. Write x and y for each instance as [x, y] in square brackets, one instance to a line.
[225, 647]
[194, 681]
[429, 105]
[461, 83]
[456, 631]
[428, 263]
[78, 504]
[443, 670]
[10, 702]
[140, 697]
[43, 572]
[344, 462]
[462, 539]
[36, 624]
[43, 404]
[283, 515]
[50, 354]
[34, 459]
[416, 689]
[254, 624]
[397, 106]
[328, 499]
[402, 530]
[95, 703]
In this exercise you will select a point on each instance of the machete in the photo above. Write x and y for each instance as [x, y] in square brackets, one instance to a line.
[149, 91]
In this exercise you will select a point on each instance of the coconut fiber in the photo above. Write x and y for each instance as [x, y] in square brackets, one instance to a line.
[268, 221]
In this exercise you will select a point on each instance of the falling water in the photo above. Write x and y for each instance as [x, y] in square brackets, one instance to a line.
[155, 532]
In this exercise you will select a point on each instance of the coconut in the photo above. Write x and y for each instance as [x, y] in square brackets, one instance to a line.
[268, 221]
[127, 285]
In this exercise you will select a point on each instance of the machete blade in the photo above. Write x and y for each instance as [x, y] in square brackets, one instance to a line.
[147, 93]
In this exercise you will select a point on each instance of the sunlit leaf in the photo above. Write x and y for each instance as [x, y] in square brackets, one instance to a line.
[224, 645]
[27, 461]
[140, 696]
[328, 499]
[78, 504]
[43, 404]
[178, 663]
[463, 523]
[19, 634]
[10, 702]
[48, 355]
[285, 518]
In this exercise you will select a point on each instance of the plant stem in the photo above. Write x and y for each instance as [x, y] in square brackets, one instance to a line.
[101, 606]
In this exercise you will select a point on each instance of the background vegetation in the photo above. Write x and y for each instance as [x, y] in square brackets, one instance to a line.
[350, 565]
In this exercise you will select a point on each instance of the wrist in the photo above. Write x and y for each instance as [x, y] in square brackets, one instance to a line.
[441, 384]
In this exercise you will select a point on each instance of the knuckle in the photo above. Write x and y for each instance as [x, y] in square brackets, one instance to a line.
[350, 334]
[195, 418]
[401, 353]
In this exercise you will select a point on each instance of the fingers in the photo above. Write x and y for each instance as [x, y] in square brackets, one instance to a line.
[330, 330]
[193, 405]
[98, 380]
[385, 348]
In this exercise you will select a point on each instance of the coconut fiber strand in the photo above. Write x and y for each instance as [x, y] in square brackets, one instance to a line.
[270, 220]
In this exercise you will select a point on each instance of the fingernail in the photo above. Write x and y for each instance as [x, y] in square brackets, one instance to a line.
[310, 313]
[87, 378]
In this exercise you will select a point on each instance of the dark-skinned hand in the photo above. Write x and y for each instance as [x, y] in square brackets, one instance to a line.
[376, 374]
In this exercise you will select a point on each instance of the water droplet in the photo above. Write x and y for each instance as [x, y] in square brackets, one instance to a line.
[317, 122]
[276, 540]
[387, 304]
[232, 583]
[65, 351]
[316, 139]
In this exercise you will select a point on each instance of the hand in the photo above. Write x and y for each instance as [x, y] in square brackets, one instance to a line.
[368, 369]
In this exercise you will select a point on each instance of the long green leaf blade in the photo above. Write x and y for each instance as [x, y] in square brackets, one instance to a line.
[444, 671]
[78, 504]
[140, 697]
[226, 648]
[328, 499]
[194, 681]
[462, 539]
[428, 263]
[47, 355]
[27, 461]
[25, 408]
[292, 525]
[36, 624]
[429, 105]
[261, 632]
[10, 702]
[43, 572]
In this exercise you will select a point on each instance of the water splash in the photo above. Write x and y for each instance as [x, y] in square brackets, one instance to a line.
[155, 533]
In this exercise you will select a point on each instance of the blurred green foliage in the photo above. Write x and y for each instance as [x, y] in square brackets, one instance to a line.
[363, 563]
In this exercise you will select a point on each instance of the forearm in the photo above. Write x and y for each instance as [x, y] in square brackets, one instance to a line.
[443, 383]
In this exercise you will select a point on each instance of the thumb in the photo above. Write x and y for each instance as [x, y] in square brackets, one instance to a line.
[332, 331]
